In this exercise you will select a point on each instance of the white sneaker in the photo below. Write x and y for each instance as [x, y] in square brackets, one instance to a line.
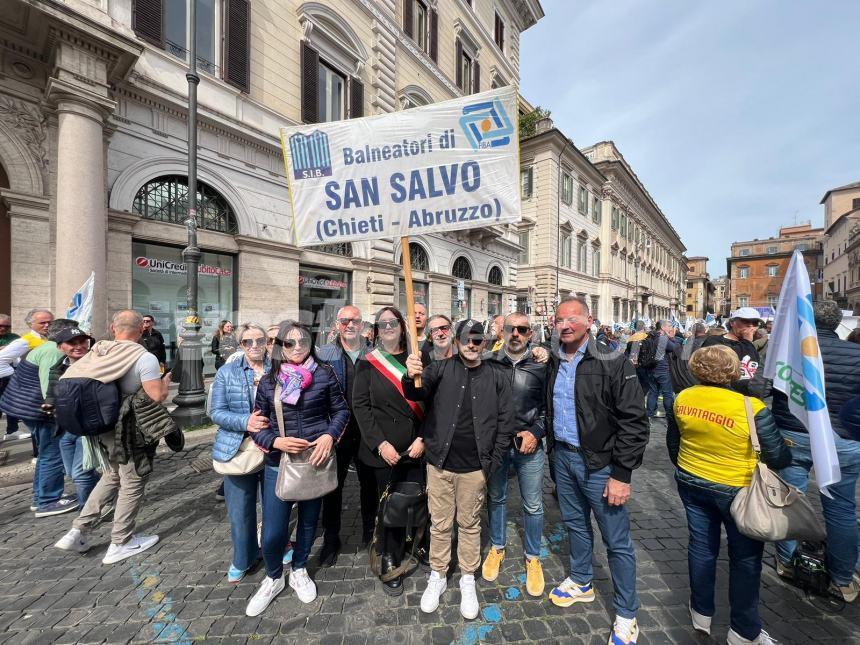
[469, 607]
[436, 586]
[265, 595]
[74, 540]
[625, 631]
[305, 588]
[763, 639]
[17, 436]
[701, 623]
[137, 544]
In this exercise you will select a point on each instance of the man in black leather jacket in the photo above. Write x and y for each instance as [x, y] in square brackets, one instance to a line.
[528, 385]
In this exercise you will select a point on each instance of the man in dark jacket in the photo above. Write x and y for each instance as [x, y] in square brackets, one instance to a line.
[597, 426]
[742, 326]
[528, 387]
[659, 379]
[347, 349]
[841, 383]
[152, 339]
[467, 429]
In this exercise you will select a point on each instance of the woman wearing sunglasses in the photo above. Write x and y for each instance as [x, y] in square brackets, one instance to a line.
[232, 408]
[390, 427]
[314, 417]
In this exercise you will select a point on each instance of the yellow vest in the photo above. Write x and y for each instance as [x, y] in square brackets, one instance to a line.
[715, 443]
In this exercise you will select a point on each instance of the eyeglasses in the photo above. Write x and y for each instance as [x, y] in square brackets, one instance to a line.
[522, 330]
[477, 342]
[251, 342]
[346, 321]
[388, 324]
[440, 329]
[289, 343]
[270, 341]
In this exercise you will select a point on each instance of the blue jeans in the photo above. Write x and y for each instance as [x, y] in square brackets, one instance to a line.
[48, 480]
[660, 382]
[72, 451]
[580, 493]
[530, 477]
[276, 527]
[708, 510]
[240, 497]
[840, 513]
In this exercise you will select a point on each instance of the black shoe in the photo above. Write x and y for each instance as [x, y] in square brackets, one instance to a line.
[329, 552]
[392, 587]
[423, 556]
[175, 440]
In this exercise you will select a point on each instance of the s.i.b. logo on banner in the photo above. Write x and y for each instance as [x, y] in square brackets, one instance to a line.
[486, 124]
[311, 155]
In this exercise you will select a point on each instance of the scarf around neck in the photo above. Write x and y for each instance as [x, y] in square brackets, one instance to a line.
[295, 378]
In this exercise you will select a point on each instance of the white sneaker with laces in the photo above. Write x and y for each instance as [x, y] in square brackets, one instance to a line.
[763, 639]
[269, 588]
[625, 631]
[436, 586]
[137, 544]
[469, 607]
[74, 540]
[305, 588]
[850, 591]
[701, 623]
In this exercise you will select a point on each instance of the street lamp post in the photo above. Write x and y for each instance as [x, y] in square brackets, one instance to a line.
[190, 409]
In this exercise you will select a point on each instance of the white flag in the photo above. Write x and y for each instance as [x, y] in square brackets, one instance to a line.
[81, 305]
[794, 363]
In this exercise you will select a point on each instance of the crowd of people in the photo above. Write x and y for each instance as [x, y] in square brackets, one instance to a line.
[453, 418]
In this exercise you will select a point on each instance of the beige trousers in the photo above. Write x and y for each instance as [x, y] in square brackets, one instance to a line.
[121, 483]
[459, 495]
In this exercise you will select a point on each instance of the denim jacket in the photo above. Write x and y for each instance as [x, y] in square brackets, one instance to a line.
[232, 401]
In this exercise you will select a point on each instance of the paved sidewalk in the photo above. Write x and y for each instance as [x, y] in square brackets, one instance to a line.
[177, 592]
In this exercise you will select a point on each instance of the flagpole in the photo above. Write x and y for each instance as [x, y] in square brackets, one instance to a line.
[406, 258]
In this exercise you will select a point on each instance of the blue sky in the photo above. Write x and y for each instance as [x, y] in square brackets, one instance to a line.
[737, 115]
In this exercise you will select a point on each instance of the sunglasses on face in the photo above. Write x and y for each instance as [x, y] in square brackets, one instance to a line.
[345, 322]
[477, 342]
[289, 343]
[251, 342]
[388, 324]
[522, 330]
[440, 329]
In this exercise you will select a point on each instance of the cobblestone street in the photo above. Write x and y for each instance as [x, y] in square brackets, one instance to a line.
[177, 592]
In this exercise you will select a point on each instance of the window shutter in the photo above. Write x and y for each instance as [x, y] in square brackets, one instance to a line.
[356, 98]
[407, 17]
[148, 21]
[237, 44]
[498, 30]
[310, 83]
[476, 76]
[434, 35]
[459, 59]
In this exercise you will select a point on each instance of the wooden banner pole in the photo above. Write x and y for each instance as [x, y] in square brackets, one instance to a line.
[410, 299]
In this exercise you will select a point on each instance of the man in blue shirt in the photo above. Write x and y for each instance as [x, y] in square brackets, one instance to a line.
[598, 430]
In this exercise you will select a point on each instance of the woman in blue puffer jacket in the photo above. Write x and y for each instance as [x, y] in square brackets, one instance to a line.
[232, 408]
[315, 415]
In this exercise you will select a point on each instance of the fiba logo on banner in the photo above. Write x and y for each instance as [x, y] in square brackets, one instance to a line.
[311, 155]
[486, 124]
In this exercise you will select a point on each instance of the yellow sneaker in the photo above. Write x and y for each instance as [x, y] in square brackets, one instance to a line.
[490, 570]
[534, 577]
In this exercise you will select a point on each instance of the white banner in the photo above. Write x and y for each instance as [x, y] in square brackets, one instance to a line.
[440, 167]
[80, 307]
[794, 363]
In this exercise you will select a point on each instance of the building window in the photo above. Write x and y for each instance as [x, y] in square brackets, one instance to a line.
[344, 249]
[165, 199]
[420, 24]
[614, 221]
[461, 309]
[616, 309]
[495, 276]
[468, 70]
[595, 210]
[623, 226]
[772, 300]
[772, 270]
[744, 252]
[743, 301]
[743, 272]
[462, 269]
[417, 257]
[581, 256]
[801, 246]
[524, 255]
[583, 200]
[595, 305]
[595, 262]
[177, 32]
[500, 32]
[567, 188]
[331, 97]
[527, 182]
[771, 250]
[564, 251]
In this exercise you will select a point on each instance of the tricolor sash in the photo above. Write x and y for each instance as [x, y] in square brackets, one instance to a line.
[393, 371]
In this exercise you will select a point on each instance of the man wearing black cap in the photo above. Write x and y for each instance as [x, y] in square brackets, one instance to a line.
[467, 429]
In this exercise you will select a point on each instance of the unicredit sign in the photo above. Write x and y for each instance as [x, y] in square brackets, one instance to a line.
[154, 265]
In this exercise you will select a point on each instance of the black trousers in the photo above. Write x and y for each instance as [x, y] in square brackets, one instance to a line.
[393, 540]
[347, 452]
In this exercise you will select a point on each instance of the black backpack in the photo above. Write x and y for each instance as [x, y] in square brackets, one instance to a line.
[85, 406]
[648, 351]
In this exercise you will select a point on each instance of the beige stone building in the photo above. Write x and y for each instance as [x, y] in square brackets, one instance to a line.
[700, 296]
[93, 149]
[722, 296]
[838, 276]
[838, 201]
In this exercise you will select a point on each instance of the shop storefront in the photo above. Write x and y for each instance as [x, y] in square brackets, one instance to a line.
[494, 304]
[159, 286]
[461, 303]
[321, 293]
[421, 291]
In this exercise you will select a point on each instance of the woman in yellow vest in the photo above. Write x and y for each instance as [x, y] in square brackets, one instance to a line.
[714, 461]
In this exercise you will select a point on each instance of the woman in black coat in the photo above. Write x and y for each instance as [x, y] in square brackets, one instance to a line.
[390, 426]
